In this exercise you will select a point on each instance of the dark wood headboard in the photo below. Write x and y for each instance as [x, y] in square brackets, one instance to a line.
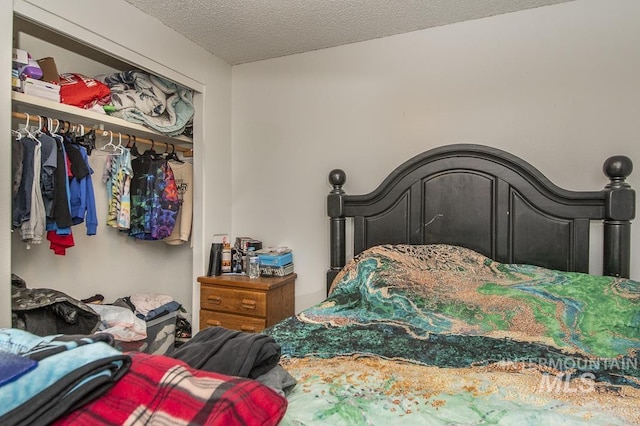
[490, 201]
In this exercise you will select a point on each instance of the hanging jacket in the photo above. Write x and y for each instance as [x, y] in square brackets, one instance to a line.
[81, 195]
[60, 220]
[22, 200]
[32, 229]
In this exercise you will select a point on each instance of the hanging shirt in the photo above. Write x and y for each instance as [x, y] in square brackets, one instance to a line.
[32, 230]
[166, 209]
[22, 200]
[125, 173]
[108, 176]
[60, 221]
[154, 198]
[141, 167]
[81, 195]
[117, 177]
[47, 172]
[16, 165]
[183, 175]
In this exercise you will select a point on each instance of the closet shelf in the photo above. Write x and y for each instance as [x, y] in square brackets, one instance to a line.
[55, 110]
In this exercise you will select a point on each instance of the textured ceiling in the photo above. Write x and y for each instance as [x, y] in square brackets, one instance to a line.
[239, 31]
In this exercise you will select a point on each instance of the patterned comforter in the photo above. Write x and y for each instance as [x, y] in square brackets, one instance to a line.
[440, 334]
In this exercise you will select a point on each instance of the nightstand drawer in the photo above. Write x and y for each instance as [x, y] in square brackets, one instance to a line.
[232, 322]
[234, 300]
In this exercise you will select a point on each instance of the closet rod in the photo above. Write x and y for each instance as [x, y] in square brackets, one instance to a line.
[187, 152]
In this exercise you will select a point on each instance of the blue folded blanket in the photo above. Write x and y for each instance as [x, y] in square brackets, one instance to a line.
[71, 370]
[13, 366]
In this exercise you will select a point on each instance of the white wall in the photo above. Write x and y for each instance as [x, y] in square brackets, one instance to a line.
[107, 263]
[557, 86]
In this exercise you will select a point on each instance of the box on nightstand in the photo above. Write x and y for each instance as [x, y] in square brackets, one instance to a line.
[274, 259]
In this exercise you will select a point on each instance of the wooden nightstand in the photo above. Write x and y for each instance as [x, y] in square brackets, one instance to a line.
[238, 302]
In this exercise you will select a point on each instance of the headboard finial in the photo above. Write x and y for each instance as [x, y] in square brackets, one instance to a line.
[337, 178]
[617, 168]
[620, 210]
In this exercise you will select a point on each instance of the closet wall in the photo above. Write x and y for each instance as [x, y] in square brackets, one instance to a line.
[110, 263]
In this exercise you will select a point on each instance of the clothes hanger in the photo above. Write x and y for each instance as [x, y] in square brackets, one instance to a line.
[151, 152]
[26, 128]
[109, 145]
[87, 140]
[119, 148]
[17, 134]
[44, 125]
[133, 149]
[39, 131]
[61, 131]
[173, 156]
[57, 126]
[20, 132]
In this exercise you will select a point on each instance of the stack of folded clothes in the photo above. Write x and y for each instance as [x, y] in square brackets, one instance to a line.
[45, 377]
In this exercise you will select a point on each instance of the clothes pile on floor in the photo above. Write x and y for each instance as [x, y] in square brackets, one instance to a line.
[45, 311]
[42, 378]
[236, 353]
[70, 380]
[145, 322]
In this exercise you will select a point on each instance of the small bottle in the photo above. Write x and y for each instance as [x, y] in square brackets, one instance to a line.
[226, 258]
[253, 269]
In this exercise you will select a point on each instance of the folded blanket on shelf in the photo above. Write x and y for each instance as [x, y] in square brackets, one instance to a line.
[71, 370]
[152, 101]
[230, 352]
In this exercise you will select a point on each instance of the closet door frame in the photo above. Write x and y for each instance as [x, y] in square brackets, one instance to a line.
[6, 34]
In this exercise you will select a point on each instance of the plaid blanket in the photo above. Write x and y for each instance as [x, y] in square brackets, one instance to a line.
[163, 390]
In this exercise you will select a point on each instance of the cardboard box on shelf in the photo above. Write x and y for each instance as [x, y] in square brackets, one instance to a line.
[49, 70]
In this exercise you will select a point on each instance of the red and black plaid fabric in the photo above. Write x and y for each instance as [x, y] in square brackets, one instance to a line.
[163, 390]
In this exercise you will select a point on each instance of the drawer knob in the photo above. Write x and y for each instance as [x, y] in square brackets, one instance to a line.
[248, 304]
[213, 323]
[248, 329]
[215, 299]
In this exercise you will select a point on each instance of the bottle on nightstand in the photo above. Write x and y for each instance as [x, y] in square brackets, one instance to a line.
[253, 263]
[226, 257]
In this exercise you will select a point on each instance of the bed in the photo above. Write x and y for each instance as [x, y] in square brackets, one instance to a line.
[468, 300]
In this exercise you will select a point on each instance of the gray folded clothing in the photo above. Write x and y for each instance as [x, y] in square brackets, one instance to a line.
[279, 380]
[230, 352]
